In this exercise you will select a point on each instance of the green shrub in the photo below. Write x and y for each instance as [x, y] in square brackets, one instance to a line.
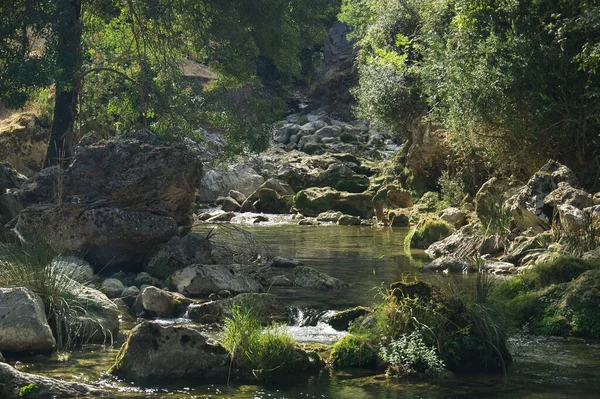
[253, 347]
[452, 188]
[28, 390]
[352, 351]
[71, 317]
[430, 231]
[410, 355]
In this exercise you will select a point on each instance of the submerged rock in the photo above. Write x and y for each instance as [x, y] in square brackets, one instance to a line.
[282, 262]
[308, 277]
[12, 381]
[23, 323]
[202, 280]
[154, 351]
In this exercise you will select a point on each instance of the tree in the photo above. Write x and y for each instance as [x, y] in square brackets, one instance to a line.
[71, 42]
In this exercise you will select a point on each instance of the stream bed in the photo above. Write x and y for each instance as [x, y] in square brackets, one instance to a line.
[365, 258]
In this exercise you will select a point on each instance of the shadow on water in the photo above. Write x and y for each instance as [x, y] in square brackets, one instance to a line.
[365, 258]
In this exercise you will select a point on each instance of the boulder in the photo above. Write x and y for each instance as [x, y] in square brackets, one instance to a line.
[163, 352]
[280, 261]
[398, 217]
[162, 303]
[178, 253]
[281, 281]
[499, 267]
[329, 216]
[269, 201]
[307, 277]
[453, 216]
[528, 207]
[525, 244]
[448, 264]
[112, 287]
[312, 201]
[74, 267]
[230, 205]
[206, 313]
[221, 217]
[565, 194]
[342, 319]
[490, 199]
[117, 200]
[342, 178]
[280, 187]
[12, 382]
[9, 177]
[23, 323]
[282, 135]
[572, 219]
[202, 280]
[219, 181]
[464, 242]
[347, 220]
[237, 195]
[101, 320]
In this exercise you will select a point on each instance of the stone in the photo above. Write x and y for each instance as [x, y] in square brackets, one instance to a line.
[74, 267]
[312, 201]
[178, 253]
[342, 319]
[499, 267]
[23, 323]
[221, 217]
[282, 262]
[129, 292]
[282, 135]
[144, 278]
[280, 187]
[448, 264]
[101, 325]
[342, 178]
[160, 303]
[281, 281]
[13, 380]
[526, 243]
[260, 219]
[202, 280]
[112, 287]
[453, 216]
[328, 131]
[219, 181]
[491, 197]
[206, 313]
[162, 352]
[268, 308]
[528, 207]
[564, 194]
[329, 216]
[269, 201]
[237, 195]
[572, 219]
[592, 255]
[307, 277]
[9, 177]
[348, 220]
[230, 205]
[398, 218]
[464, 240]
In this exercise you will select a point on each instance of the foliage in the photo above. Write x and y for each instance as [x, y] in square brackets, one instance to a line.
[452, 189]
[465, 333]
[554, 298]
[71, 317]
[430, 231]
[28, 390]
[409, 355]
[352, 351]
[515, 80]
[252, 347]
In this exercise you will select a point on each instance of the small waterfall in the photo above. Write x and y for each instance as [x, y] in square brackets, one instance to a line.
[309, 325]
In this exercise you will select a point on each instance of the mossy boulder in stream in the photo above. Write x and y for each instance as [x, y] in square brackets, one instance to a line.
[315, 200]
[155, 351]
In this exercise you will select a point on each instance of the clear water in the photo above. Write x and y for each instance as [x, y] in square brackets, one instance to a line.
[365, 258]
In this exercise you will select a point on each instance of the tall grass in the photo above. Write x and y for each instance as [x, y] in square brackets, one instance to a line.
[252, 347]
[71, 316]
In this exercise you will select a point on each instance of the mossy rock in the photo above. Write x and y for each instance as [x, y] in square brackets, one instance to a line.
[581, 304]
[315, 200]
[430, 231]
[269, 201]
[352, 351]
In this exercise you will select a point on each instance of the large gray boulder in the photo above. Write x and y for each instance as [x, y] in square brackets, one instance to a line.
[218, 181]
[23, 323]
[162, 303]
[178, 253]
[117, 200]
[155, 351]
[203, 280]
[12, 380]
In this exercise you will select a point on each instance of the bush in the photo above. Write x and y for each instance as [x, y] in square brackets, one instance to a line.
[409, 355]
[352, 351]
[561, 270]
[72, 318]
[253, 347]
[451, 188]
[430, 231]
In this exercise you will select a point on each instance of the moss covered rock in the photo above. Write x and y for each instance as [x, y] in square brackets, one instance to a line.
[430, 231]
[314, 200]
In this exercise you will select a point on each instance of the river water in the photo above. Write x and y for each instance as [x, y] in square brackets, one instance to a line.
[365, 258]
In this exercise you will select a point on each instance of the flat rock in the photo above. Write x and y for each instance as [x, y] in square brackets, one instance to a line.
[202, 280]
[308, 277]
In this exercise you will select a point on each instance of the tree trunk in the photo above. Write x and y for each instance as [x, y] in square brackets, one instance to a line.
[68, 61]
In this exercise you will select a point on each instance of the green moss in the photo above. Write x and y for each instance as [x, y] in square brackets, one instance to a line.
[430, 231]
[352, 351]
[561, 270]
[555, 325]
[28, 391]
